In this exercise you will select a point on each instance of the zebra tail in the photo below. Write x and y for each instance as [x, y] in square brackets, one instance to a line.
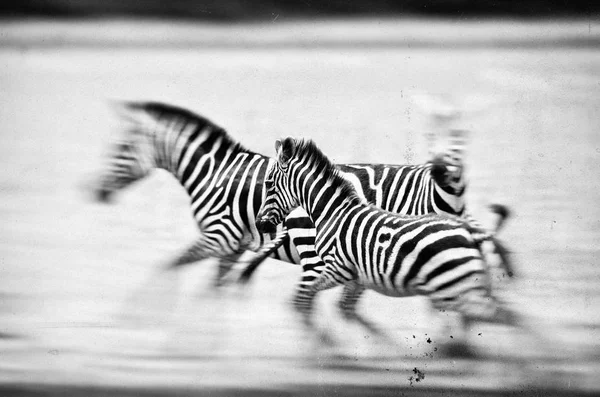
[504, 255]
[479, 234]
[261, 255]
[502, 212]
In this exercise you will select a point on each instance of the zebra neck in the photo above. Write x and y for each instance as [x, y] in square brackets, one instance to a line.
[197, 155]
[325, 198]
[453, 203]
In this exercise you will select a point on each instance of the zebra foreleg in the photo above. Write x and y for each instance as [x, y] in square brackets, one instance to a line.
[303, 300]
[347, 306]
[157, 296]
[329, 278]
[198, 251]
[226, 263]
[266, 250]
[303, 303]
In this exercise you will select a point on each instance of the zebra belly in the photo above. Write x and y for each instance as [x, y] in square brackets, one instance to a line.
[392, 292]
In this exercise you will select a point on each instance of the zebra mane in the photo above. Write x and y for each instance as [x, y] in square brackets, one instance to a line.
[164, 112]
[309, 152]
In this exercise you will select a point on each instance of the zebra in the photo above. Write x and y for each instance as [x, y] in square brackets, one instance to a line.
[223, 179]
[225, 183]
[437, 186]
[365, 247]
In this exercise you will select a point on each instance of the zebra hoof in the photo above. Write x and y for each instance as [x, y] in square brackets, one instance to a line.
[8, 335]
[458, 350]
[325, 339]
[500, 209]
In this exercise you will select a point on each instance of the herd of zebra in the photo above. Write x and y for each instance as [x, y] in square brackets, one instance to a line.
[400, 230]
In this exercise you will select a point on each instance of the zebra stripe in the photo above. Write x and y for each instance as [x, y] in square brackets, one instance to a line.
[224, 181]
[408, 189]
[438, 256]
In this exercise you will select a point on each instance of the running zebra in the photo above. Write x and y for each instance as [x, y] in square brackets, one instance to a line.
[365, 247]
[225, 184]
[435, 187]
[223, 179]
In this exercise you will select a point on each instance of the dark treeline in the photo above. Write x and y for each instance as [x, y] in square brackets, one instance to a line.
[267, 9]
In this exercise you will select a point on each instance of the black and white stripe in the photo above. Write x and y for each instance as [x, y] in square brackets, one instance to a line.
[223, 179]
[365, 247]
[435, 187]
[225, 185]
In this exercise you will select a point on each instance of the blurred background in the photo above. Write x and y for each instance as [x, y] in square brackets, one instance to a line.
[345, 73]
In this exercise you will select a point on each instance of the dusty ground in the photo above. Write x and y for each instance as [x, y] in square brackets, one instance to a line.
[67, 265]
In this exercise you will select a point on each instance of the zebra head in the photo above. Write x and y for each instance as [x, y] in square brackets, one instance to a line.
[279, 201]
[130, 157]
[447, 170]
[447, 174]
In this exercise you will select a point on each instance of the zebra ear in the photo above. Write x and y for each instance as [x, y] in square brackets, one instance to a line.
[285, 150]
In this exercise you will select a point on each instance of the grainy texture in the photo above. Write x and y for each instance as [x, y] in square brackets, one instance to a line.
[67, 264]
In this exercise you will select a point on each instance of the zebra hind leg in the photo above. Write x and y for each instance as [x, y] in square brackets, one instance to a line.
[303, 301]
[458, 346]
[528, 340]
[470, 306]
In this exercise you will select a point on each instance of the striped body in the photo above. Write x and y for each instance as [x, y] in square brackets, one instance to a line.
[223, 180]
[365, 247]
[395, 256]
[404, 189]
[225, 184]
[436, 187]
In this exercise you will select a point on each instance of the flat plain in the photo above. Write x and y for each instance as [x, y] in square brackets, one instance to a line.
[67, 264]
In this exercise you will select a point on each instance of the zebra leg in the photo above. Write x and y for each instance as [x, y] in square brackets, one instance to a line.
[266, 250]
[327, 279]
[470, 306]
[347, 303]
[304, 298]
[226, 263]
[481, 306]
[347, 306]
[496, 255]
[458, 345]
[312, 268]
[198, 251]
[159, 294]
[497, 312]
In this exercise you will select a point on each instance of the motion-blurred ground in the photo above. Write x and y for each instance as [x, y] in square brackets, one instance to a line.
[67, 265]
